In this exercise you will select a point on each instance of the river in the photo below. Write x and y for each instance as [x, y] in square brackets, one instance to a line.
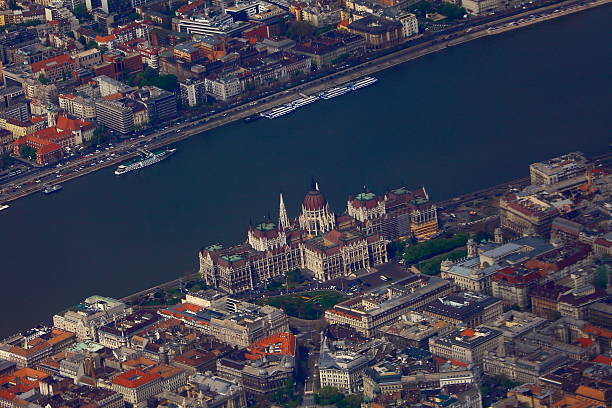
[469, 117]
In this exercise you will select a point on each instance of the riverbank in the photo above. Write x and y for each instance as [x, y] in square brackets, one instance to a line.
[180, 132]
[437, 122]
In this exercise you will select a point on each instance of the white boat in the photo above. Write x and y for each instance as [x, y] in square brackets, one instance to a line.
[304, 101]
[280, 111]
[4, 206]
[332, 93]
[367, 81]
[151, 158]
[52, 189]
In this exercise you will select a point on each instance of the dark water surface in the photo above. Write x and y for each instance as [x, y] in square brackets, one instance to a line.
[456, 121]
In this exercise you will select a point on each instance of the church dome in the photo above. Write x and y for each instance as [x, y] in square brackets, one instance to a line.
[314, 201]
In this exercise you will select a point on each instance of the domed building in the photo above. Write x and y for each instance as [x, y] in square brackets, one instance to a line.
[316, 217]
[319, 242]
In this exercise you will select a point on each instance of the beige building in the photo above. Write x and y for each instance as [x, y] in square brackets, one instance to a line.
[410, 24]
[83, 108]
[88, 316]
[558, 169]
[475, 273]
[229, 320]
[88, 58]
[467, 345]
[368, 312]
[523, 366]
[31, 350]
[136, 386]
[341, 368]
[340, 253]
[527, 215]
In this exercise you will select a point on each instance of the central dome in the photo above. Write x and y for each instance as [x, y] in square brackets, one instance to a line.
[314, 201]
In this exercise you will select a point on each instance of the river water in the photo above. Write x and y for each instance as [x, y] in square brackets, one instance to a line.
[469, 117]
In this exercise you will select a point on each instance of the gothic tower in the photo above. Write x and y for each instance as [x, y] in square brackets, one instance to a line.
[283, 219]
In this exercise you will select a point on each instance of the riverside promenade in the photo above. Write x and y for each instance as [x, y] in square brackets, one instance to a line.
[125, 150]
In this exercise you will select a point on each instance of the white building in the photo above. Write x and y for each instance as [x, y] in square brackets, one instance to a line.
[410, 25]
[221, 25]
[223, 88]
[193, 91]
[83, 108]
[341, 368]
[87, 317]
[109, 86]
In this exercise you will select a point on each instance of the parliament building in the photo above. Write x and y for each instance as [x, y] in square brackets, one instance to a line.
[327, 245]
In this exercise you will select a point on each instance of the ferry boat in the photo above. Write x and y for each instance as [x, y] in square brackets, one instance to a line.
[4, 206]
[304, 101]
[363, 83]
[52, 189]
[332, 93]
[149, 159]
[276, 112]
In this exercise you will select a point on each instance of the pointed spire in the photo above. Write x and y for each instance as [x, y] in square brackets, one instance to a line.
[313, 183]
[283, 219]
[317, 185]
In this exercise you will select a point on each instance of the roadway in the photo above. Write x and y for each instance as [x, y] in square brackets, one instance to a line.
[31, 181]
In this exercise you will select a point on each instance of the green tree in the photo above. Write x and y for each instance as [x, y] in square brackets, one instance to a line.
[421, 8]
[80, 12]
[91, 44]
[83, 41]
[351, 401]
[424, 250]
[27, 152]
[167, 82]
[451, 11]
[328, 396]
[43, 79]
[300, 31]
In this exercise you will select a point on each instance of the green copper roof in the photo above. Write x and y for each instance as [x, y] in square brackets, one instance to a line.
[266, 226]
[401, 190]
[231, 258]
[214, 247]
[365, 196]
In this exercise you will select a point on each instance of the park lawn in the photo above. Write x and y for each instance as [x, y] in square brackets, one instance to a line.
[308, 305]
[432, 266]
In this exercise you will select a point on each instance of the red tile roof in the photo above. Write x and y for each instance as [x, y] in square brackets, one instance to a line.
[66, 123]
[135, 378]
[105, 38]
[468, 333]
[278, 344]
[603, 360]
[59, 60]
